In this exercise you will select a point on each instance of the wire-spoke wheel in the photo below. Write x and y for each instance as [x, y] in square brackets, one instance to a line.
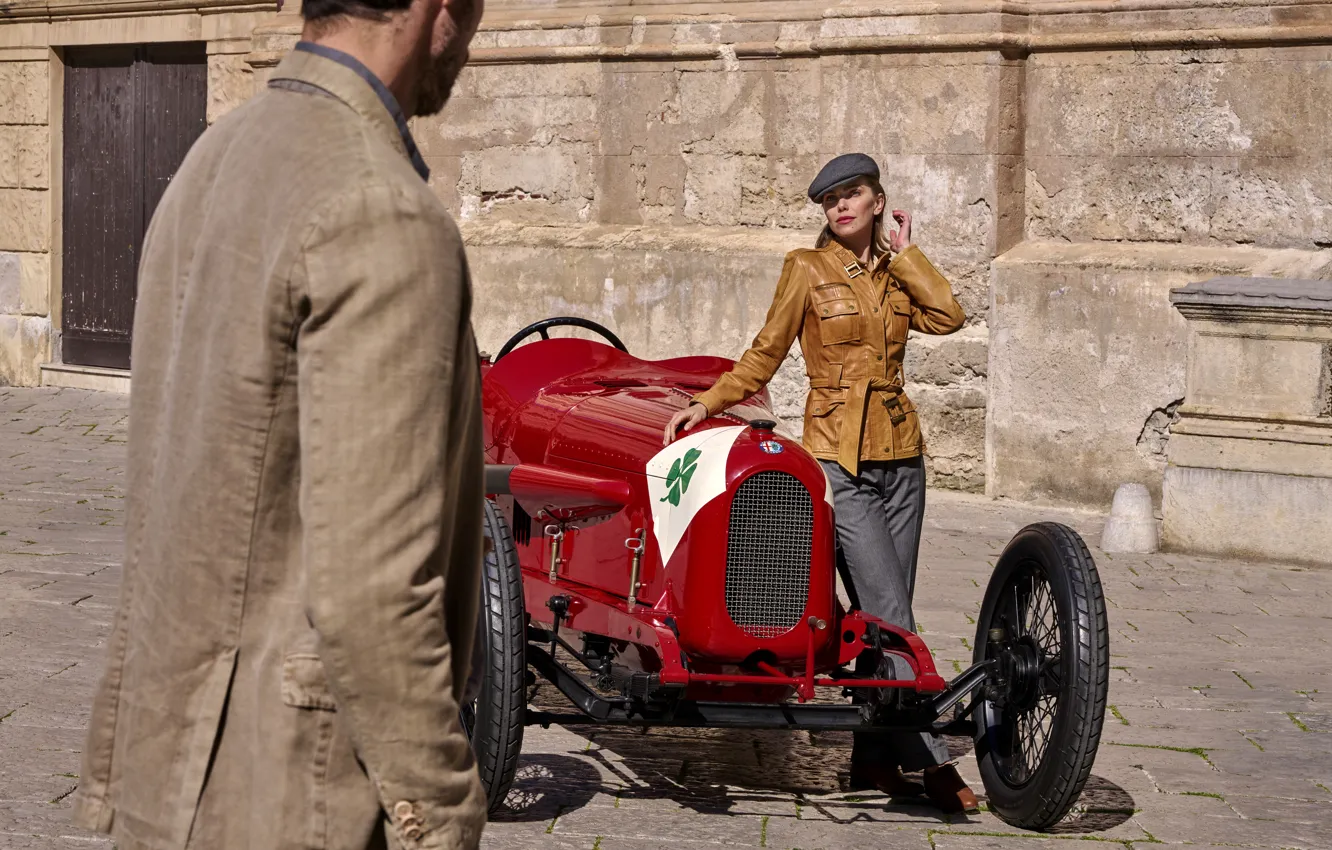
[1043, 626]
[494, 720]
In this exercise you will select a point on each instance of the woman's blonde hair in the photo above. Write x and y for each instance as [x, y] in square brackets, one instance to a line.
[881, 243]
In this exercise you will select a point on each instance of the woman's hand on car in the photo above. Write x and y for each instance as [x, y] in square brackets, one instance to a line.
[690, 417]
[899, 240]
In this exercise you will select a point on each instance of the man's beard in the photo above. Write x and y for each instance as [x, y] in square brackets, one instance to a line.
[437, 85]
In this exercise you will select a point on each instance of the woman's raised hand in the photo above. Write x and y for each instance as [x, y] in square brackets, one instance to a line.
[899, 239]
[691, 416]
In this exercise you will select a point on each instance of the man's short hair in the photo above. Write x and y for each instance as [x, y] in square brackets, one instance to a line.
[374, 10]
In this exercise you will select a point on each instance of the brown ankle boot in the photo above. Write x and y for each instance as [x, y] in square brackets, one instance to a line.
[885, 778]
[947, 790]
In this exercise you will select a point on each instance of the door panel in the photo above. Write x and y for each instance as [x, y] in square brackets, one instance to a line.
[174, 85]
[131, 114]
[101, 206]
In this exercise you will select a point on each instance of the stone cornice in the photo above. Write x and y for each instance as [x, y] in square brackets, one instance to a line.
[986, 27]
[519, 33]
[1256, 315]
[546, 15]
[523, 32]
[28, 11]
[1202, 421]
[915, 43]
[1279, 301]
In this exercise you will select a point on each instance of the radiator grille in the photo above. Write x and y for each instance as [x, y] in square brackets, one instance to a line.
[768, 552]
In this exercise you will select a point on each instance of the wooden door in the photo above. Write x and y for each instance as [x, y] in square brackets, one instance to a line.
[131, 114]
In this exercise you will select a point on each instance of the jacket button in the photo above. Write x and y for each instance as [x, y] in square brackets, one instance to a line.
[876, 309]
[412, 832]
[402, 810]
[878, 357]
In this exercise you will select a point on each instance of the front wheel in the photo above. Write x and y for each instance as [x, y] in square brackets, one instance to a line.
[494, 720]
[1039, 715]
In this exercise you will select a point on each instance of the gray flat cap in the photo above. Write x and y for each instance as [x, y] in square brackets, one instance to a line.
[839, 170]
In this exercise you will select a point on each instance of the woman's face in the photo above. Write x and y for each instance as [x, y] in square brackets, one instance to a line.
[851, 209]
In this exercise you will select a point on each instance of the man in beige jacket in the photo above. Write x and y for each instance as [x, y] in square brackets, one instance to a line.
[305, 474]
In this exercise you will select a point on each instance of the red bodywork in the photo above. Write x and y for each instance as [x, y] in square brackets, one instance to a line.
[580, 420]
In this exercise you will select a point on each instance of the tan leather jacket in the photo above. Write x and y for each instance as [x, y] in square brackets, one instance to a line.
[852, 323]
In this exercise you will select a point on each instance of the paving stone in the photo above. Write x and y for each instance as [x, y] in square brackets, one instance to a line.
[1224, 657]
[963, 841]
[1175, 819]
[44, 820]
[46, 842]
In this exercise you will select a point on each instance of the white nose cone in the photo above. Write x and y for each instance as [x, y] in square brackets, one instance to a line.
[1131, 526]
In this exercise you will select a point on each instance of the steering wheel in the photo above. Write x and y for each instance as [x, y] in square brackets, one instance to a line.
[545, 325]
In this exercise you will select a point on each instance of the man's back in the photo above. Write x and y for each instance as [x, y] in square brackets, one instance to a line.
[304, 428]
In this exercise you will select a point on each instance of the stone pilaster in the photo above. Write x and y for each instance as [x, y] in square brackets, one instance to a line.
[1250, 466]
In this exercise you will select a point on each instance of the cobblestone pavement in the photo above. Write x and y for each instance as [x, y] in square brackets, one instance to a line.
[1219, 731]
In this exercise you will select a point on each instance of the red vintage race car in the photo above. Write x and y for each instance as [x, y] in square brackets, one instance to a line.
[695, 585]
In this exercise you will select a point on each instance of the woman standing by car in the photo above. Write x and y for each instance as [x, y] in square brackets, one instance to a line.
[851, 300]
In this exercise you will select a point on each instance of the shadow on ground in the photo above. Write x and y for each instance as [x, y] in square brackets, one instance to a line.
[736, 772]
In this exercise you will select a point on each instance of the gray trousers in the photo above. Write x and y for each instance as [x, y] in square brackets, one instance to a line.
[879, 517]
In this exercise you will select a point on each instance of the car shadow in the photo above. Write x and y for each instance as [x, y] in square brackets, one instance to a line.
[747, 772]
[707, 771]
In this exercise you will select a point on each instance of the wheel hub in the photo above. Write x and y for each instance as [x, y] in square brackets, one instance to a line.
[1020, 668]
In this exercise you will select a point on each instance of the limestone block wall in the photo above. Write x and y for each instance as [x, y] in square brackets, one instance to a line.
[1067, 163]
[1145, 169]
[25, 210]
[658, 194]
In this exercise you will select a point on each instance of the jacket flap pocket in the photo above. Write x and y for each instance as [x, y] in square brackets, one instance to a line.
[825, 406]
[833, 291]
[304, 683]
[829, 309]
[834, 299]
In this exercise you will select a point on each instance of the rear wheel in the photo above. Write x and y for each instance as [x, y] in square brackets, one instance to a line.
[1039, 715]
[494, 720]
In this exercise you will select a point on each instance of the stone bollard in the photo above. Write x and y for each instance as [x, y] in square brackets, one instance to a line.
[1131, 527]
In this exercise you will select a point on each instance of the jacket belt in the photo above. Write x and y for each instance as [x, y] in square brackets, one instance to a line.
[853, 415]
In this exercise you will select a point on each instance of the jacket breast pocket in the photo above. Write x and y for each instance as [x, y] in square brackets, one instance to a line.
[838, 312]
[899, 315]
[899, 322]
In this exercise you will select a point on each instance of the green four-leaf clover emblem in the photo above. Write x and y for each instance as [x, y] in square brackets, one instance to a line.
[678, 479]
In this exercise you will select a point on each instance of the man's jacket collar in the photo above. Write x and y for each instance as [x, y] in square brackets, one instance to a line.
[341, 76]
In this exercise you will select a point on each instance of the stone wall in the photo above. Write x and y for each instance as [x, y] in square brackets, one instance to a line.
[32, 38]
[1067, 162]
[25, 211]
[683, 183]
[1145, 169]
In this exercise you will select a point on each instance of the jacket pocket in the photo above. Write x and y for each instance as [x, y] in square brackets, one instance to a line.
[899, 317]
[823, 423]
[304, 683]
[838, 312]
[901, 324]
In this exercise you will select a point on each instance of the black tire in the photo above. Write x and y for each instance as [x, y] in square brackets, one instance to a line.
[1039, 724]
[494, 721]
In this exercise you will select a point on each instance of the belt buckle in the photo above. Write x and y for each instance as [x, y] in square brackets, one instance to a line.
[894, 407]
[853, 270]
